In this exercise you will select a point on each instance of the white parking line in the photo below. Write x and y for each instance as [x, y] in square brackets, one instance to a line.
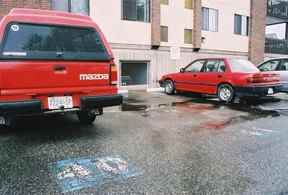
[256, 131]
[264, 130]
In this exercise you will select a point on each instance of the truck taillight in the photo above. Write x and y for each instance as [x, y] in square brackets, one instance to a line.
[113, 76]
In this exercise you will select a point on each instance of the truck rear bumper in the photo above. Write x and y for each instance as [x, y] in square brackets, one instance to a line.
[21, 107]
[31, 107]
[91, 102]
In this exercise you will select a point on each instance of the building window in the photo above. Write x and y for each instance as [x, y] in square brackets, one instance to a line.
[241, 25]
[74, 6]
[164, 34]
[188, 36]
[189, 4]
[210, 19]
[136, 10]
[164, 2]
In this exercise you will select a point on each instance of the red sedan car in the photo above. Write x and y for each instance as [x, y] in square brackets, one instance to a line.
[226, 78]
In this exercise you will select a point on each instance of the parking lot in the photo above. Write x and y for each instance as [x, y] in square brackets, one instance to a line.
[177, 144]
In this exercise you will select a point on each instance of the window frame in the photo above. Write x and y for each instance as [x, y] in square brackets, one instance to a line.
[247, 18]
[24, 58]
[217, 20]
[161, 37]
[70, 7]
[185, 30]
[162, 3]
[189, 8]
[131, 20]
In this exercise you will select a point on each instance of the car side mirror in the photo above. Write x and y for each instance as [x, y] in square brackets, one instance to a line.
[182, 70]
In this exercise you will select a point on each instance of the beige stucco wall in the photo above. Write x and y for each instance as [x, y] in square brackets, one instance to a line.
[107, 14]
[225, 39]
[177, 18]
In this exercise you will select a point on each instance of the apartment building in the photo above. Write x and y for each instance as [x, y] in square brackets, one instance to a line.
[150, 38]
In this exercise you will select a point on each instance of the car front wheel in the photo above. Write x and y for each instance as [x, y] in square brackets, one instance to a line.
[226, 93]
[86, 117]
[169, 87]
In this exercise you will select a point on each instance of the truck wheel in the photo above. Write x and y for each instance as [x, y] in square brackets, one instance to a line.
[169, 87]
[226, 93]
[86, 117]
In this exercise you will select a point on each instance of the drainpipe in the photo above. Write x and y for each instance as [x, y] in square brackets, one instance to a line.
[155, 23]
[257, 31]
[197, 29]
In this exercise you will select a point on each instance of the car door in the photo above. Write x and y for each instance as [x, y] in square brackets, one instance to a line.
[283, 71]
[212, 74]
[187, 79]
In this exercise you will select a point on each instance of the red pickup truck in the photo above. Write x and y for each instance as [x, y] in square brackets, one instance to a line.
[53, 62]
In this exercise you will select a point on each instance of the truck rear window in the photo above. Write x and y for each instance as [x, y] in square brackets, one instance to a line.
[30, 41]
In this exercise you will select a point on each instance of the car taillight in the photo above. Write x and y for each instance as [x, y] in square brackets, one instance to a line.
[255, 79]
[261, 78]
[113, 75]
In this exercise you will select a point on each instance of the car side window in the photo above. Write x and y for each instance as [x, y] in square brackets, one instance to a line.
[271, 65]
[211, 66]
[195, 66]
[284, 66]
[222, 66]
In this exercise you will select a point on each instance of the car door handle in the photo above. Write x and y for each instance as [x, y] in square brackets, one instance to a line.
[194, 75]
[59, 68]
[220, 76]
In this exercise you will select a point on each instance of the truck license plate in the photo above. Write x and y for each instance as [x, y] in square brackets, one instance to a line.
[270, 91]
[60, 102]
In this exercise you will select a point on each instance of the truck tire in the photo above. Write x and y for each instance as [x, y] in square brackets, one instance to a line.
[86, 117]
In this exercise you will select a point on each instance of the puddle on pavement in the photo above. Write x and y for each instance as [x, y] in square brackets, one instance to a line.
[133, 107]
[251, 107]
[225, 123]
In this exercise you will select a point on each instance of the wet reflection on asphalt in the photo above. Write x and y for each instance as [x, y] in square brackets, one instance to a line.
[183, 144]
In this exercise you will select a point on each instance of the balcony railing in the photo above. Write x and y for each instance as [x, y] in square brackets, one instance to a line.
[276, 46]
[277, 8]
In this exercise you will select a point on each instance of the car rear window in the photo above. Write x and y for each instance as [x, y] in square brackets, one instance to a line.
[242, 66]
[30, 41]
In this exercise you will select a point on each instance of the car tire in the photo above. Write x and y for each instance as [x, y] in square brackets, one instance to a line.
[226, 93]
[86, 117]
[169, 87]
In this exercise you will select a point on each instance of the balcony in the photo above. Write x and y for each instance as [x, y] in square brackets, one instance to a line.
[276, 46]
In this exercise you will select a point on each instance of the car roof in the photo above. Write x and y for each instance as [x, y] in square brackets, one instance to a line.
[221, 58]
[279, 58]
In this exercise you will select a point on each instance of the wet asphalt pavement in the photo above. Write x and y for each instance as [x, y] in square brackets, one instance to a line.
[182, 145]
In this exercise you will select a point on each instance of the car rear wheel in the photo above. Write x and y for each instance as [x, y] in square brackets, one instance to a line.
[86, 117]
[226, 93]
[169, 87]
